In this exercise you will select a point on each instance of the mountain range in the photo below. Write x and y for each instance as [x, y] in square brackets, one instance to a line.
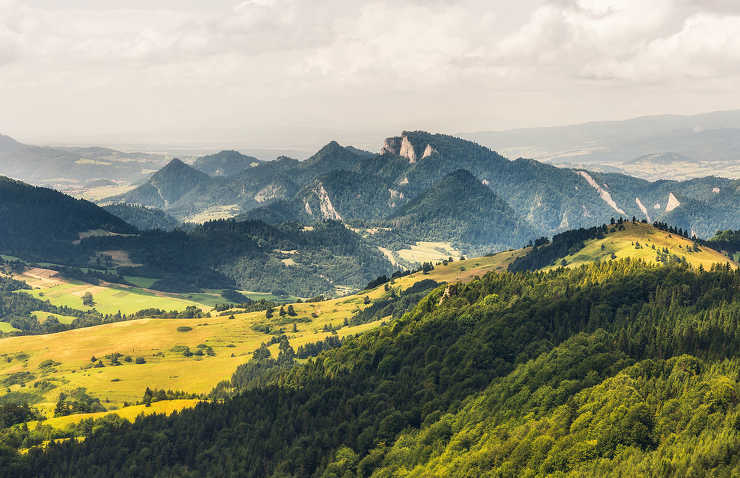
[73, 167]
[651, 147]
[369, 190]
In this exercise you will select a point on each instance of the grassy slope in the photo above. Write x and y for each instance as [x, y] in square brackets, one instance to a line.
[111, 298]
[620, 243]
[6, 327]
[42, 316]
[147, 337]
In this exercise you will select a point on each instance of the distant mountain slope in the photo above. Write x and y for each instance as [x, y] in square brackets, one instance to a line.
[692, 146]
[460, 209]
[72, 166]
[143, 218]
[333, 157]
[42, 222]
[168, 186]
[225, 163]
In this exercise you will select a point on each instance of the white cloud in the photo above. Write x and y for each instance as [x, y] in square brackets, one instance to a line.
[446, 64]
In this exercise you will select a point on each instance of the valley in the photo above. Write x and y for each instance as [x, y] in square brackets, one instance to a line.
[377, 297]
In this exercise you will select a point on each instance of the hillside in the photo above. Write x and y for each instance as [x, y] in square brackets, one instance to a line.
[684, 147]
[647, 243]
[167, 186]
[143, 218]
[289, 259]
[225, 163]
[72, 167]
[461, 210]
[232, 340]
[40, 222]
[44, 226]
[613, 369]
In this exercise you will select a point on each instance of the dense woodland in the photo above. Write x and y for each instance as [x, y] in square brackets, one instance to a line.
[42, 223]
[247, 255]
[143, 218]
[612, 369]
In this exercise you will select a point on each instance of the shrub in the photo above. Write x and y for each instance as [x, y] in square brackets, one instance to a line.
[184, 328]
[140, 360]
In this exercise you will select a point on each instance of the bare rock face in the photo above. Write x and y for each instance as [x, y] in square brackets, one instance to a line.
[407, 150]
[401, 146]
[428, 151]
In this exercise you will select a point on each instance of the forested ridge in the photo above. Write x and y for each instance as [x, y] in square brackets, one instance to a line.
[611, 369]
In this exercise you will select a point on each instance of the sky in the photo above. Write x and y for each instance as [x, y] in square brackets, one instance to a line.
[298, 73]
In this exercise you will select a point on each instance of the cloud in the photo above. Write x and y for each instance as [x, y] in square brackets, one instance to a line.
[626, 41]
[320, 60]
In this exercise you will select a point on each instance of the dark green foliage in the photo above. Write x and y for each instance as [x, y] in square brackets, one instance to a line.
[158, 395]
[727, 242]
[461, 210]
[477, 367]
[225, 253]
[394, 304]
[313, 349]
[184, 328]
[225, 163]
[77, 401]
[143, 218]
[88, 300]
[12, 413]
[235, 297]
[40, 222]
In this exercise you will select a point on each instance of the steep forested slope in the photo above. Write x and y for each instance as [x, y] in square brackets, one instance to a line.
[143, 218]
[459, 209]
[613, 369]
[252, 255]
[43, 223]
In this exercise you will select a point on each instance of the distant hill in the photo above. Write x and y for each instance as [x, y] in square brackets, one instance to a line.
[461, 210]
[143, 218]
[36, 221]
[73, 166]
[693, 145]
[174, 183]
[225, 163]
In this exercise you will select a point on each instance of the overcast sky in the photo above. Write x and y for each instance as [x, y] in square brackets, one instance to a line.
[297, 73]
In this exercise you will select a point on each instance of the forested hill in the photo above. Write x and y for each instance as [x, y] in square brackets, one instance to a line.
[42, 222]
[615, 369]
[143, 218]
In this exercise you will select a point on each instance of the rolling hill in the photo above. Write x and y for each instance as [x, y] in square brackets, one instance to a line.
[460, 210]
[651, 147]
[225, 163]
[232, 339]
[73, 167]
[611, 369]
